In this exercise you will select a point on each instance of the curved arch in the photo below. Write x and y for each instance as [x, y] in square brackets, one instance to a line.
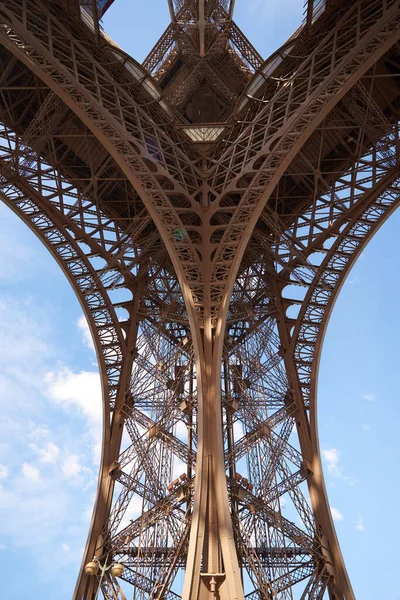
[374, 216]
[122, 133]
[34, 34]
[294, 131]
[36, 211]
[360, 215]
[63, 238]
[289, 130]
[385, 214]
[71, 211]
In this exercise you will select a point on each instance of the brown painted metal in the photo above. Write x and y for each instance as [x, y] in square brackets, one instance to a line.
[206, 208]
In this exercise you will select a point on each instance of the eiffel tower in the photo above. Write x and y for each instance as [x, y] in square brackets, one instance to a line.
[206, 207]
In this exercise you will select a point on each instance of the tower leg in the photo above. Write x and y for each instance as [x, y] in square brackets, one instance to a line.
[212, 569]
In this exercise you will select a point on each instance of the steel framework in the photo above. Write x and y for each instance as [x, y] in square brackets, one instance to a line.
[206, 207]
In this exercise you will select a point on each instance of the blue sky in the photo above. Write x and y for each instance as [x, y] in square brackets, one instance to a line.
[50, 414]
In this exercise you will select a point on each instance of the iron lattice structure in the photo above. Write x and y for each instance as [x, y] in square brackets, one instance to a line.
[206, 207]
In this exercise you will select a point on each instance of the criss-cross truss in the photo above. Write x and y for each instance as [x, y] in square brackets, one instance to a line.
[206, 207]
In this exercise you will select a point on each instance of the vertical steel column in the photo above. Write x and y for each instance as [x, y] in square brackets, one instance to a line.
[212, 564]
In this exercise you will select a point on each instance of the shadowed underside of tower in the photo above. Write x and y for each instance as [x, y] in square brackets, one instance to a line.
[206, 206]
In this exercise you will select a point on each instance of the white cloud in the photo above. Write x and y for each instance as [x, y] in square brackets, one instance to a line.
[366, 427]
[85, 332]
[49, 453]
[37, 432]
[71, 466]
[369, 397]
[23, 347]
[77, 391]
[73, 470]
[353, 280]
[332, 458]
[96, 453]
[65, 547]
[34, 516]
[336, 514]
[30, 472]
[37, 508]
[360, 523]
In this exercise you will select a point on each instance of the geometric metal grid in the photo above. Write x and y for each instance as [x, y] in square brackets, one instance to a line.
[206, 208]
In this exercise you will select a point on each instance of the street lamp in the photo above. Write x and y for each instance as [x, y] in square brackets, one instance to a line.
[92, 567]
